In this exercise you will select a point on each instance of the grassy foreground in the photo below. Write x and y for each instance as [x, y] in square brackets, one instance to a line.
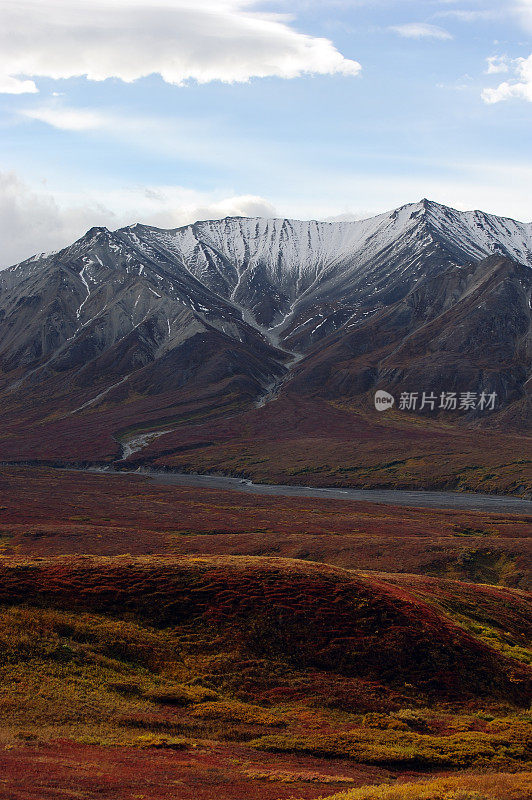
[257, 677]
[181, 660]
[466, 787]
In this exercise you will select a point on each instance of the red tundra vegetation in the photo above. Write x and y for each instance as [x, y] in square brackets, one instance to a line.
[49, 512]
[154, 645]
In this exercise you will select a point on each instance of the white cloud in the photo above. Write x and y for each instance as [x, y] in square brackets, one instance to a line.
[520, 86]
[68, 119]
[10, 85]
[421, 30]
[180, 40]
[202, 140]
[497, 64]
[470, 16]
[524, 9]
[35, 219]
[495, 188]
[348, 216]
[32, 221]
[462, 84]
[519, 89]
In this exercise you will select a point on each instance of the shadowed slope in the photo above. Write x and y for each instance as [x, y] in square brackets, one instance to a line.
[308, 615]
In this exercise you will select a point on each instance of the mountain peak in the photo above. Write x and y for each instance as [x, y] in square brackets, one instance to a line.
[96, 230]
[249, 296]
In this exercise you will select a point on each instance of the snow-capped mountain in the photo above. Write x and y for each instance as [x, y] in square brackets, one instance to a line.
[276, 268]
[240, 308]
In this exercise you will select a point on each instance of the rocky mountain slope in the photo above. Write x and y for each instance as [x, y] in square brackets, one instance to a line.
[228, 314]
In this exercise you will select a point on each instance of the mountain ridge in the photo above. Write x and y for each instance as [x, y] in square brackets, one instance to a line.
[230, 314]
[422, 205]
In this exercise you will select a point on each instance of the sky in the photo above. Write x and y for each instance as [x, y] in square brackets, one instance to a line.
[164, 112]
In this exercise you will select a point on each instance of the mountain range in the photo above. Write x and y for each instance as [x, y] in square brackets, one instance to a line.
[113, 341]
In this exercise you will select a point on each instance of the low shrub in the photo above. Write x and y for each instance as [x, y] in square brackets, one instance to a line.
[462, 787]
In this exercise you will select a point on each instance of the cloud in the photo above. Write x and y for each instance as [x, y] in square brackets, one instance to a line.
[348, 216]
[204, 140]
[520, 86]
[180, 40]
[67, 119]
[524, 10]
[11, 85]
[31, 220]
[421, 30]
[495, 187]
[461, 84]
[497, 64]
[35, 220]
[520, 89]
[470, 16]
